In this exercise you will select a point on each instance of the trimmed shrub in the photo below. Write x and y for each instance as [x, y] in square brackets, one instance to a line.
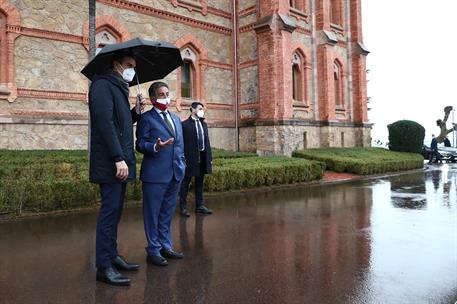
[406, 136]
[363, 161]
[233, 174]
[220, 153]
[40, 181]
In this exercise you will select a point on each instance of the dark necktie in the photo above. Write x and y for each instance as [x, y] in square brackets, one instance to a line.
[200, 136]
[167, 121]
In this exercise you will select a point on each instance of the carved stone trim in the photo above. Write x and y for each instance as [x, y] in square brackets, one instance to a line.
[151, 11]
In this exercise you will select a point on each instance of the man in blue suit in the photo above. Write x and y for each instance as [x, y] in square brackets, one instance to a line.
[162, 171]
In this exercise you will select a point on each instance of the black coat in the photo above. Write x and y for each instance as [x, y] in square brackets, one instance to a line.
[111, 129]
[191, 149]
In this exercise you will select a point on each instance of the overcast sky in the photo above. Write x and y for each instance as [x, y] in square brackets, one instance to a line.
[413, 61]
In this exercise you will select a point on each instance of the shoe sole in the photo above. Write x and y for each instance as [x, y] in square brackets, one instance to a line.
[175, 258]
[125, 269]
[160, 265]
[155, 264]
[112, 283]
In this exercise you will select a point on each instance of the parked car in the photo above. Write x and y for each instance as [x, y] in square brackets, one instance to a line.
[448, 154]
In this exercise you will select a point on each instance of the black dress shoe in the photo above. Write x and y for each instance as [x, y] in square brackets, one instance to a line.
[157, 260]
[203, 210]
[111, 276]
[170, 254]
[184, 212]
[121, 264]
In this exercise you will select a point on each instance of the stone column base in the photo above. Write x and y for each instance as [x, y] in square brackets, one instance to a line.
[284, 138]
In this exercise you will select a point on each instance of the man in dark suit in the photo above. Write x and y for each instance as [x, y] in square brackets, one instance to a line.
[197, 150]
[162, 171]
[434, 151]
[112, 159]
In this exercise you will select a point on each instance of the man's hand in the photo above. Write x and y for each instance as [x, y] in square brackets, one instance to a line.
[160, 144]
[122, 170]
[140, 104]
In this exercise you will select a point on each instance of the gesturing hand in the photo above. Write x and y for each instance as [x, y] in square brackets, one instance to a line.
[160, 144]
[122, 170]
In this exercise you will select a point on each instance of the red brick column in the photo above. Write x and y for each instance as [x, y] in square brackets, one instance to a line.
[274, 39]
[323, 15]
[12, 30]
[325, 55]
[358, 64]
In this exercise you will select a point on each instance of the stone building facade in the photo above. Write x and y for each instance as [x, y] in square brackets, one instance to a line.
[275, 75]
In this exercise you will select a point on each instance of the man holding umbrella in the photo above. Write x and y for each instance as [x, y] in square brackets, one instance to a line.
[112, 156]
[112, 159]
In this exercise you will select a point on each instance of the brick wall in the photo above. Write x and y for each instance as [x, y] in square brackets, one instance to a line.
[42, 90]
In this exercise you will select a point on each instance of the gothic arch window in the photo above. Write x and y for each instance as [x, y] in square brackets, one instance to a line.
[188, 73]
[108, 30]
[338, 85]
[299, 80]
[336, 9]
[104, 37]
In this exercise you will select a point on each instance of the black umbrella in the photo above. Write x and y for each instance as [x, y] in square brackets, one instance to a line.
[154, 59]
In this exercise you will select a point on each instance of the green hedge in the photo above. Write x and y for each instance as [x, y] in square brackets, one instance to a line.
[220, 153]
[233, 174]
[41, 181]
[363, 161]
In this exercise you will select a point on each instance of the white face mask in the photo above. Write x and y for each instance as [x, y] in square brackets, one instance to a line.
[200, 114]
[128, 74]
[164, 101]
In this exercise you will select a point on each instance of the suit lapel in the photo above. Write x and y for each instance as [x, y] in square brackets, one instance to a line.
[162, 121]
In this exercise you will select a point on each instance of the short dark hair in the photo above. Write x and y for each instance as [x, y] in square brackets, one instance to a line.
[155, 86]
[195, 104]
[120, 56]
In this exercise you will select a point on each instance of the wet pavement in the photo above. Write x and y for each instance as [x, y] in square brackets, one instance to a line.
[387, 240]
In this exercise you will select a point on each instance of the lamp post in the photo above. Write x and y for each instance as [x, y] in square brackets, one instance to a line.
[92, 15]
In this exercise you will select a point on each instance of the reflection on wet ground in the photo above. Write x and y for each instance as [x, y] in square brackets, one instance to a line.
[391, 240]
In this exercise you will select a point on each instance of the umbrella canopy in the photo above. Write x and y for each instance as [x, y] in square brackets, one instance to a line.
[154, 59]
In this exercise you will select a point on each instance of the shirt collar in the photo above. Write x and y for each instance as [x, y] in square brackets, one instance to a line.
[160, 111]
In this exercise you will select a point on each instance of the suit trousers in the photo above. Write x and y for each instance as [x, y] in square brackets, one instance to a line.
[159, 203]
[198, 188]
[198, 185]
[109, 216]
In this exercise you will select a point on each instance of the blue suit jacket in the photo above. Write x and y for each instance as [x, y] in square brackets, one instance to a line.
[169, 162]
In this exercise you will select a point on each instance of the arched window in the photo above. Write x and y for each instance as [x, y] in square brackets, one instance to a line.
[104, 37]
[335, 12]
[188, 73]
[299, 80]
[338, 85]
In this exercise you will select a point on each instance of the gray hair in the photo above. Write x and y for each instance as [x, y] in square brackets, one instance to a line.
[155, 86]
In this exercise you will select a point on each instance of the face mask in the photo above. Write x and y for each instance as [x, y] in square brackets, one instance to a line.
[200, 114]
[164, 101]
[128, 74]
[161, 104]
